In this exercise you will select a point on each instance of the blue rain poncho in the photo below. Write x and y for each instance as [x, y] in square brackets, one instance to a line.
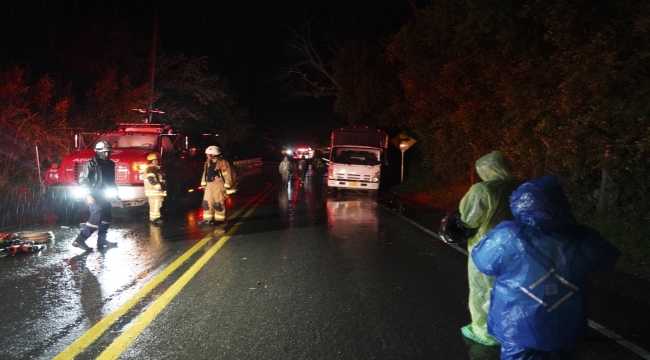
[484, 206]
[541, 263]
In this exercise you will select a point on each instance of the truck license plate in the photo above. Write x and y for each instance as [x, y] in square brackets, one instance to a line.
[354, 184]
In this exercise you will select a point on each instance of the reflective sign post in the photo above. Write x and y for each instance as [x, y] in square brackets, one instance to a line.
[403, 142]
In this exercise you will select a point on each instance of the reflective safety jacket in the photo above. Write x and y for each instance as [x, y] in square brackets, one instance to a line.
[540, 262]
[222, 170]
[154, 181]
[285, 165]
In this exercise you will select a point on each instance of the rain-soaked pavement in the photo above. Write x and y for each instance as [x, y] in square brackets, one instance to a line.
[294, 273]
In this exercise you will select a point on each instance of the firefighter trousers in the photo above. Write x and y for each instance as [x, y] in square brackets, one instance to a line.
[214, 201]
[155, 203]
[100, 219]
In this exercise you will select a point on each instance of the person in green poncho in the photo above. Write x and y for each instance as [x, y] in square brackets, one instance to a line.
[485, 205]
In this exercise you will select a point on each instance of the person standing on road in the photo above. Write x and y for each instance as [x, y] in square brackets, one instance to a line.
[319, 167]
[483, 207]
[154, 187]
[98, 178]
[541, 263]
[215, 180]
[285, 169]
[302, 169]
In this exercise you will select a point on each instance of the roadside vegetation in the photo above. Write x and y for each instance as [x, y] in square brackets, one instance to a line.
[96, 86]
[561, 87]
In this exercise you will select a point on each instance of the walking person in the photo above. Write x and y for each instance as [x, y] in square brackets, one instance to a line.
[541, 263]
[285, 170]
[485, 205]
[216, 178]
[302, 169]
[98, 178]
[154, 187]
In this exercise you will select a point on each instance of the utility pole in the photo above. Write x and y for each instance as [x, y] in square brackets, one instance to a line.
[152, 69]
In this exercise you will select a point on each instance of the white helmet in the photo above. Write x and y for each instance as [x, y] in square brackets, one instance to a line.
[213, 150]
[103, 146]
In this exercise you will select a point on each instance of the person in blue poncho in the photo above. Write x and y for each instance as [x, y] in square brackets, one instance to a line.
[540, 263]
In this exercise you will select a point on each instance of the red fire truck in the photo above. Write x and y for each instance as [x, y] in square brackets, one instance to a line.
[131, 144]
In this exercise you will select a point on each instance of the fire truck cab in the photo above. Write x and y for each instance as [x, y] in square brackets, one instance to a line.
[131, 144]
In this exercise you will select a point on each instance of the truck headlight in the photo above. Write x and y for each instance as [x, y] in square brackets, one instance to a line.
[375, 176]
[79, 192]
[110, 193]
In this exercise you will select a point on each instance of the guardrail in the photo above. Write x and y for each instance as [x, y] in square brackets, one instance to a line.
[247, 162]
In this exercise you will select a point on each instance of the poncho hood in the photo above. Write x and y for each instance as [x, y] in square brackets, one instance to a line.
[541, 201]
[493, 166]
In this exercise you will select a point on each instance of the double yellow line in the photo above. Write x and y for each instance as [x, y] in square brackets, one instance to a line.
[118, 346]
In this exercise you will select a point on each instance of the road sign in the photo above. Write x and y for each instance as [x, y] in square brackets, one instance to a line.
[403, 142]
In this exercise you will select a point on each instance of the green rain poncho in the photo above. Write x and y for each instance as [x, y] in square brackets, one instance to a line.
[485, 205]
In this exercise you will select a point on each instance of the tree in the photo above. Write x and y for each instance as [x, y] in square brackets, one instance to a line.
[32, 114]
[370, 92]
[309, 74]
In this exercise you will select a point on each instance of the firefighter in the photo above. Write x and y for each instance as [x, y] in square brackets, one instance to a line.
[302, 169]
[154, 187]
[485, 205]
[98, 178]
[216, 179]
[285, 169]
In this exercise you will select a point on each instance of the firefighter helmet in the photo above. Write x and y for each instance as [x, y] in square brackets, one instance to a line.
[153, 156]
[103, 150]
[453, 230]
[103, 146]
[213, 150]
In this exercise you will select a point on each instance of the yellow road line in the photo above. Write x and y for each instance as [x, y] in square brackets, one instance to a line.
[100, 327]
[120, 344]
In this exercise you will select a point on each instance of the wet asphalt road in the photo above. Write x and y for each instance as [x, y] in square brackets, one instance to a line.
[294, 273]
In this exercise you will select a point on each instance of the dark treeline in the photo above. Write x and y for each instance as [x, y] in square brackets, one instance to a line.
[561, 87]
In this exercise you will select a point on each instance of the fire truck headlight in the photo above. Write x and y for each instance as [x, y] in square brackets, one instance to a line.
[79, 192]
[110, 193]
[141, 177]
[138, 166]
[53, 176]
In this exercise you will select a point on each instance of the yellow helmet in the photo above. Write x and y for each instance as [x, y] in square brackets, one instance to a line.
[153, 156]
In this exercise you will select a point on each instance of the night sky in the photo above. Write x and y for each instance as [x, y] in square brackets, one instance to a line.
[243, 39]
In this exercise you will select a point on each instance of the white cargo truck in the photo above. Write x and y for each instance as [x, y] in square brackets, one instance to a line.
[356, 157]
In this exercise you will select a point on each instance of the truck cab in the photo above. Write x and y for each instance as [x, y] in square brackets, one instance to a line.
[131, 144]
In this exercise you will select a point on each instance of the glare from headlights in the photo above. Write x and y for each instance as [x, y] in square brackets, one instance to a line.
[110, 193]
[79, 191]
